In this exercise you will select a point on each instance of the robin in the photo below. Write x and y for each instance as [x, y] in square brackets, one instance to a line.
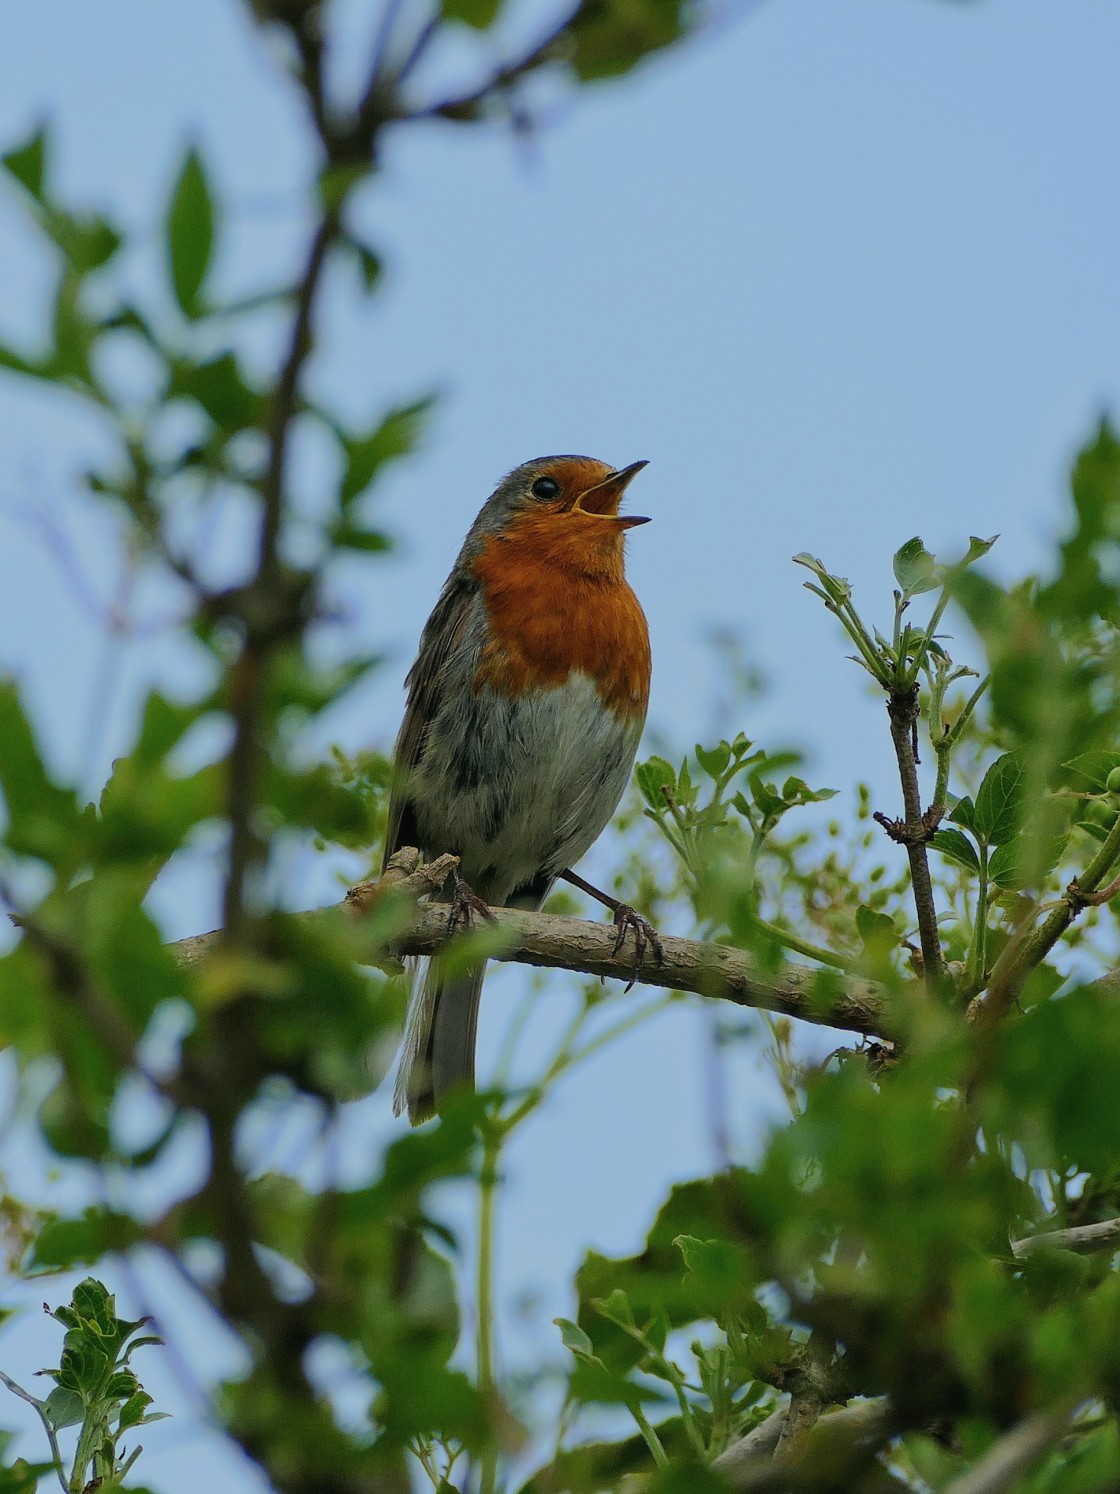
[525, 707]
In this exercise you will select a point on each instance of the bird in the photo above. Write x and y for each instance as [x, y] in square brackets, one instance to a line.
[523, 714]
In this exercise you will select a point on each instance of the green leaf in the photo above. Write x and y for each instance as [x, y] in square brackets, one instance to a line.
[963, 813]
[956, 847]
[653, 776]
[977, 548]
[575, 1339]
[915, 569]
[27, 163]
[836, 587]
[1091, 769]
[714, 760]
[190, 233]
[876, 930]
[999, 799]
[616, 1309]
[64, 1408]
[477, 13]
[132, 1412]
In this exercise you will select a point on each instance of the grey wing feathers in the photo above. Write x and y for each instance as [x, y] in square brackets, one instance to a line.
[442, 634]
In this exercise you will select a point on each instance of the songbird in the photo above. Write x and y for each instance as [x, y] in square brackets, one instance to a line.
[525, 707]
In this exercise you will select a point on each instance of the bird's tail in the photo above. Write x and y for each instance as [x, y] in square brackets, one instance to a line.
[437, 1054]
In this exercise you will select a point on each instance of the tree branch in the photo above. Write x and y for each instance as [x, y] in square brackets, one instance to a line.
[1025, 953]
[746, 1465]
[545, 940]
[1085, 1239]
[902, 707]
[1015, 1452]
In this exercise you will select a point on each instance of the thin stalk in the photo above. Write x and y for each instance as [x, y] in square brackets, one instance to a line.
[911, 675]
[488, 1187]
[944, 743]
[978, 949]
[40, 1410]
[567, 1056]
[651, 1439]
[805, 947]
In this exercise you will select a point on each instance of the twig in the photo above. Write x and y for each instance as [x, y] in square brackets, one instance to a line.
[466, 106]
[902, 707]
[1025, 953]
[25, 1395]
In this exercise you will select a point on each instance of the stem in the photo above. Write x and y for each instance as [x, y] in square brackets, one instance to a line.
[488, 1186]
[651, 1439]
[902, 707]
[978, 951]
[805, 947]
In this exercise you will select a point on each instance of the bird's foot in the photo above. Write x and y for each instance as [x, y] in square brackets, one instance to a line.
[466, 905]
[628, 920]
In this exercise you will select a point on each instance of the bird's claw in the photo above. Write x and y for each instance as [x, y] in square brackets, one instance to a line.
[629, 920]
[465, 905]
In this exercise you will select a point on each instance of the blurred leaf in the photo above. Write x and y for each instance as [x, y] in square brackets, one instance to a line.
[190, 232]
[480, 14]
[27, 163]
[394, 436]
[63, 1244]
[43, 818]
[608, 37]
[575, 1339]
[221, 389]
[367, 260]
[876, 930]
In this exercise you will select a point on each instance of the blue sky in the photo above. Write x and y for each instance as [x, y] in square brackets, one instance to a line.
[842, 273]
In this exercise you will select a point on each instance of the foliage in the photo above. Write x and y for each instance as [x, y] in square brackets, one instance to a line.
[95, 1390]
[894, 1243]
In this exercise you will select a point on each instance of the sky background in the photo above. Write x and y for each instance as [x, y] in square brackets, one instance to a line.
[842, 273]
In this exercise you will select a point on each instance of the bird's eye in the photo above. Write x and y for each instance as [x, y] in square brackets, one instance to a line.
[545, 487]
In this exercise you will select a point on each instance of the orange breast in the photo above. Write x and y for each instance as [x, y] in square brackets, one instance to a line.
[558, 602]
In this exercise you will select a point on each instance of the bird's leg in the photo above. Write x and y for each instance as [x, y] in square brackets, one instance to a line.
[626, 919]
[465, 903]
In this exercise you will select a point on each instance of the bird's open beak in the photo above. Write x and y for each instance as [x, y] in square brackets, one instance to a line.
[603, 499]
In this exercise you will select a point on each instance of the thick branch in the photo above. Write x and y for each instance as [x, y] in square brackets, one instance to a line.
[1085, 1239]
[713, 970]
[1015, 1452]
[746, 1465]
